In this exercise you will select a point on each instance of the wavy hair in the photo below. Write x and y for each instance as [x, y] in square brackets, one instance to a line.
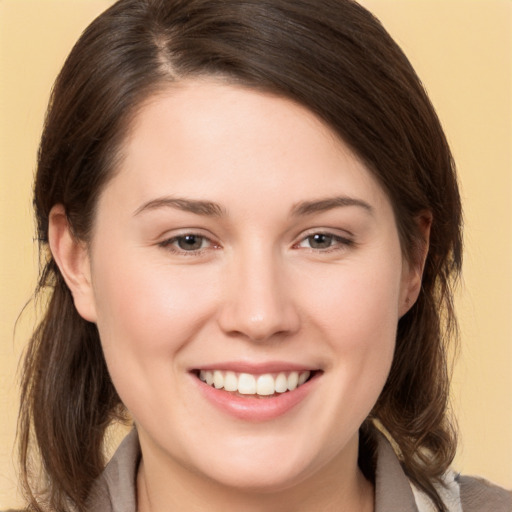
[333, 57]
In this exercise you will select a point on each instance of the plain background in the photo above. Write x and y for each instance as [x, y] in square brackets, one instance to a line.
[462, 50]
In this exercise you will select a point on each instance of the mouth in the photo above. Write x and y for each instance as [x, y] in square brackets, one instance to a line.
[266, 385]
[256, 393]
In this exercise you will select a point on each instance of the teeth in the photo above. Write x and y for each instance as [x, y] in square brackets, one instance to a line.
[303, 377]
[265, 385]
[293, 380]
[230, 382]
[247, 384]
[282, 383]
[218, 379]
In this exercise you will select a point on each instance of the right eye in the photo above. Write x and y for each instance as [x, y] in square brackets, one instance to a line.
[191, 243]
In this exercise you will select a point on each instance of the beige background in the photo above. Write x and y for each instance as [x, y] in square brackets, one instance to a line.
[462, 49]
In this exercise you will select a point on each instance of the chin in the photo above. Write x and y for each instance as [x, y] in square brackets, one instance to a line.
[263, 466]
[258, 478]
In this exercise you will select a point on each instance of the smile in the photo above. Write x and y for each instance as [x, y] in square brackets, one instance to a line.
[267, 384]
[256, 392]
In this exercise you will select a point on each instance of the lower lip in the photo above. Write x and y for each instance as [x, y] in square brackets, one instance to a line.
[252, 408]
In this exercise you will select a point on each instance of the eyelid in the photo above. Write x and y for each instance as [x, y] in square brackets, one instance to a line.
[335, 232]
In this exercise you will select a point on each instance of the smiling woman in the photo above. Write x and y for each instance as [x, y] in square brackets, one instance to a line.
[252, 225]
[246, 298]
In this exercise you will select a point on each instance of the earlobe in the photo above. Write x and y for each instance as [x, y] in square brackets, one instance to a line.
[72, 258]
[414, 266]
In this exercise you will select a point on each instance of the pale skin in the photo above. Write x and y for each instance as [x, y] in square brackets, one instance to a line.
[292, 257]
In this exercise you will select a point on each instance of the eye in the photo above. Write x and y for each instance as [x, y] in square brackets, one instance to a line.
[319, 241]
[324, 241]
[189, 242]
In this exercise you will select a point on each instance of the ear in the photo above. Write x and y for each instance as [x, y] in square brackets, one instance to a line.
[72, 258]
[413, 266]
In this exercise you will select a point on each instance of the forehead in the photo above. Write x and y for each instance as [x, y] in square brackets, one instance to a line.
[206, 138]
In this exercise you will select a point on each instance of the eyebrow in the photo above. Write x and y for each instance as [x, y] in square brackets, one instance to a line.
[211, 209]
[198, 207]
[329, 203]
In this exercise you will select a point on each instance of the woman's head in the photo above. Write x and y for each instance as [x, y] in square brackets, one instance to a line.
[331, 57]
[239, 236]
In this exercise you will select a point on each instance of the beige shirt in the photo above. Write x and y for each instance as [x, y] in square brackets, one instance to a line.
[115, 490]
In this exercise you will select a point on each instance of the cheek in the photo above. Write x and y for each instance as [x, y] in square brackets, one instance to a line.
[147, 312]
[146, 315]
[358, 320]
[360, 303]
[364, 332]
[357, 314]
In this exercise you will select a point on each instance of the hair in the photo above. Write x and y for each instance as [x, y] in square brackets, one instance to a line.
[333, 57]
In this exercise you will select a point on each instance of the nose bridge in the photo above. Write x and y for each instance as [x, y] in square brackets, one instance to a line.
[258, 304]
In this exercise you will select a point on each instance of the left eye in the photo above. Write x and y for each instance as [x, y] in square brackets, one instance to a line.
[321, 241]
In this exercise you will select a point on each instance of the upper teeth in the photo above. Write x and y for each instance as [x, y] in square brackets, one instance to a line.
[248, 384]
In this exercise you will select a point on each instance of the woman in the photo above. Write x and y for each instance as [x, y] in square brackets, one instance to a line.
[252, 224]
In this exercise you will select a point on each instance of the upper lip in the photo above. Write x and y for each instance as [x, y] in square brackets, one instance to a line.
[256, 368]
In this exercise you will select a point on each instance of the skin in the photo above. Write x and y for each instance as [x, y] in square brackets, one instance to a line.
[258, 290]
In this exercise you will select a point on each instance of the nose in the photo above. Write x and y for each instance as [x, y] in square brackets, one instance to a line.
[258, 302]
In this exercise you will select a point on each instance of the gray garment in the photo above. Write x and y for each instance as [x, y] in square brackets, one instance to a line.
[115, 490]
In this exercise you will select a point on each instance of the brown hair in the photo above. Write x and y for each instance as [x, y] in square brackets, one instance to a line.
[333, 57]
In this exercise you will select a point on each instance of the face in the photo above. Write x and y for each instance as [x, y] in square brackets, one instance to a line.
[242, 244]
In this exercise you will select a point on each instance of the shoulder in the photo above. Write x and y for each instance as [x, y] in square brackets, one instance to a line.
[479, 495]
[465, 494]
[115, 489]
[395, 492]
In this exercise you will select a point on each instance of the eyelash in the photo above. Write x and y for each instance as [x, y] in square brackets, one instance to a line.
[337, 243]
